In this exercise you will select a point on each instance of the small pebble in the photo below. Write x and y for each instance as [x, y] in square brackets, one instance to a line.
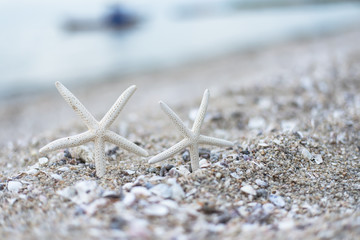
[148, 185]
[140, 192]
[217, 116]
[191, 192]
[318, 159]
[127, 186]
[204, 153]
[117, 223]
[227, 183]
[112, 151]
[67, 154]
[12, 201]
[183, 171]
[174, 173]
[268, 208]
[186, 156]
[64, 169]
[152, 170]
[246, 152]
[129, 199]
[62, 162]
[209, 208]
[111, 194]
[83, 192]
[130, 172]
[204, 163]
[306, 154]
[261, 183]
[56, 177]
[299, 135]
[43, 160]
[165, 169]
[156, 210]
[214, 156]
[261, 193]
[162, 190]
[32, 171]
[14, 186]
[224, 218]
[277, 200]
[248, 189]
[235, 175]
[263, 144]
[177, 193]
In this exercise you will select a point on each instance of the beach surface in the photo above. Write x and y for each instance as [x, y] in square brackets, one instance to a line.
[294, 171]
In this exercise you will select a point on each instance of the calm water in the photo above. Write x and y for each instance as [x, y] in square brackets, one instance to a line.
[35, 50]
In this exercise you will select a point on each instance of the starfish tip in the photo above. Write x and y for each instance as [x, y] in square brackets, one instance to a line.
[151, 160]
[42, 151]
[59, 86]
[144, 153]
[162, 104]
[130, 90]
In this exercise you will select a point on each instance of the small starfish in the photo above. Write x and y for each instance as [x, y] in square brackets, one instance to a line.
[192, 137]
[98, 131]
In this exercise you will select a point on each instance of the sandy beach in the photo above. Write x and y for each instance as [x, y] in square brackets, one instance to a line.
[292, 110]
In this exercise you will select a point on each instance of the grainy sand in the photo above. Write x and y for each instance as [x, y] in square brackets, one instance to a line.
[293, 174]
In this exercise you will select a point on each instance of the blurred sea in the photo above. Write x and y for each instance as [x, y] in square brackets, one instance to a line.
[36, 51]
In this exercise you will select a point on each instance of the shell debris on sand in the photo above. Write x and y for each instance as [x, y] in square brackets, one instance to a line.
[265, 187]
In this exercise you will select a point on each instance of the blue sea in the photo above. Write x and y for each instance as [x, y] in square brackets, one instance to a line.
[36, 50]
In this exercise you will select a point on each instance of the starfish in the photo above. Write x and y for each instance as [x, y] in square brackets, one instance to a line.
[98, 131]
[192, 136]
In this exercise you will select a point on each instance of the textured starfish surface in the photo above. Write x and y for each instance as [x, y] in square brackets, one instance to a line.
[192, 136]
[98, 131]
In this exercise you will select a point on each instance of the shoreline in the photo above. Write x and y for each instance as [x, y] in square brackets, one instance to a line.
[285, 23]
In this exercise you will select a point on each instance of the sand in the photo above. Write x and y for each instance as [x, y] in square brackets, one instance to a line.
[292, 110]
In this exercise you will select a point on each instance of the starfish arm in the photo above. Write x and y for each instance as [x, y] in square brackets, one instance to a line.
[176, 120]
[81, 111]
[99, 148]
[114, 111]
[215, 141]
[125, 144]
[201, 113]
[194, 156]
[170, 152]
[67, 142]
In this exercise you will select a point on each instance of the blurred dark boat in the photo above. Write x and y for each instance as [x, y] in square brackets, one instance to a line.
[117, 19]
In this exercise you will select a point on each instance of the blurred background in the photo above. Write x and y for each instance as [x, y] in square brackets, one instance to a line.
[172, 50]
[81, 41]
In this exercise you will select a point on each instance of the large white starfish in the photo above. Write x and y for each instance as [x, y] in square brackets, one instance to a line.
[98, 131]
[192, 137]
